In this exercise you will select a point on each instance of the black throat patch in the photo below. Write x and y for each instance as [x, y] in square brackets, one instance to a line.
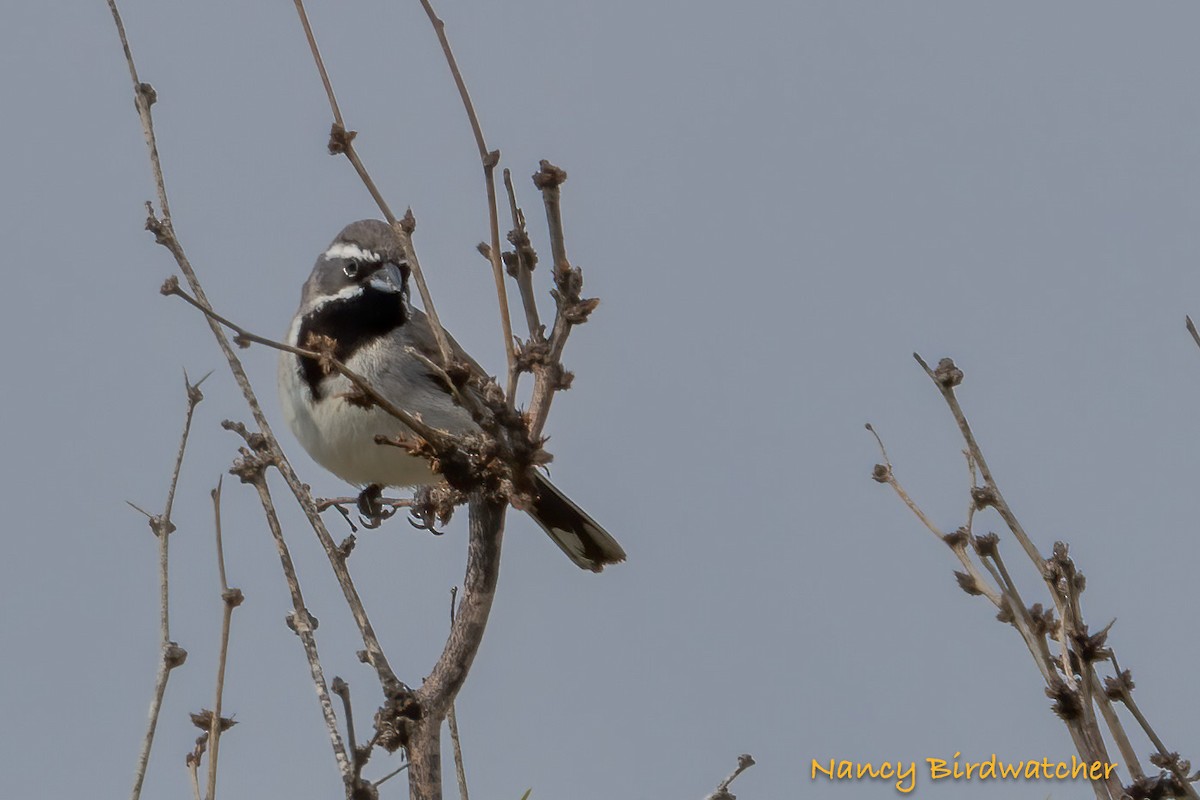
[352, 322]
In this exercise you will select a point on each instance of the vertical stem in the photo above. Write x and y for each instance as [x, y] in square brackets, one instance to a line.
[460, 771]
[489, 159]
[303, 626]
[524, 268]
[171, 655]
[230, 599]
[425, 760]
[448, 674]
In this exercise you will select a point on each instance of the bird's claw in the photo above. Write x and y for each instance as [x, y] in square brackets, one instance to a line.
[372, 511]
[424, 519]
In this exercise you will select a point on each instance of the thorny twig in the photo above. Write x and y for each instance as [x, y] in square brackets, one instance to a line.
[171, 655]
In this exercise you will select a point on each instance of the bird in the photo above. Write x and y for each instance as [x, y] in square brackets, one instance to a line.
[358, 296]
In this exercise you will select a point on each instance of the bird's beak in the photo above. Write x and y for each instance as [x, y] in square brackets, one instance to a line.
[388, 278]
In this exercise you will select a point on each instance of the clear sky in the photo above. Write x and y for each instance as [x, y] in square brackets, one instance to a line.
[777, 203]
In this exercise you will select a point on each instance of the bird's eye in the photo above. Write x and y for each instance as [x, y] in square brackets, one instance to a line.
[351, 269]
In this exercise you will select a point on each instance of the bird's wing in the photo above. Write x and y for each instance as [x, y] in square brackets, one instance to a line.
[413, 385]
[421, 339]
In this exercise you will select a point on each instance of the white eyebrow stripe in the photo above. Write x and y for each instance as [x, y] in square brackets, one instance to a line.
[347, 250]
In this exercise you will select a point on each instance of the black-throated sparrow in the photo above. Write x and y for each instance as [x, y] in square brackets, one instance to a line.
[357, 295]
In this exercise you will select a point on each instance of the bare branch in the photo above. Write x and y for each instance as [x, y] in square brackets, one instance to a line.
[420, 733]
[525, 259]
[1111, 721]
[1021, 618]
[1070, 676]
[479, 590]
[251, 469]
[745, 761]
[357, 787]
[316, 52]
[390, 775]
[341, 141]
[945, 378]
[884, 473]
[324, 503]
[164, 233]
[1081, 722]
[465, 460]
[447, 676]
[489, 159]
[171, 287]
[171, 655]
[452, 720]
[193, 767]
[1191, 327]
[230, 599]
[1122, 688]
[144, 97]
[570, 308]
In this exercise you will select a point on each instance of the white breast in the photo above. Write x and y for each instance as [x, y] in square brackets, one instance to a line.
[340, 436]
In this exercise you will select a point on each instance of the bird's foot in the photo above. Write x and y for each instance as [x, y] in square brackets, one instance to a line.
[371, 508]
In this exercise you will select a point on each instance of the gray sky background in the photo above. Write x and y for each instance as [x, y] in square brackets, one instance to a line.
[777, 204]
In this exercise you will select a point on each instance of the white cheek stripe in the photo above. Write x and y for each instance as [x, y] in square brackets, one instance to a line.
[347, 250]
[343, 294]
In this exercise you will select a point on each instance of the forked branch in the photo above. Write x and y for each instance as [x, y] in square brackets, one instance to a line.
[1068, 668]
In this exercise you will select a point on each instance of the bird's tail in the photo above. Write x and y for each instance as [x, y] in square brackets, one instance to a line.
[579, 536]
